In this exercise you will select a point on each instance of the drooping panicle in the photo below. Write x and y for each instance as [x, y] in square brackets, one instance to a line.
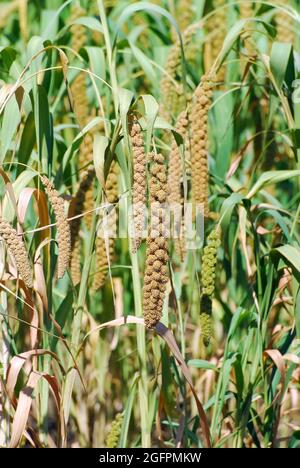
[105, 239]
[199, 143]
[139, 187]
[175, 177]
[173, 96]
[112, 439]
[156, 270]
[62, 226]
[284, 23]
[78, 207]
[18, 251]
[208, 275]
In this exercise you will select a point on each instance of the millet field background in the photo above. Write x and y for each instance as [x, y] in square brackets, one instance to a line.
[149, 224]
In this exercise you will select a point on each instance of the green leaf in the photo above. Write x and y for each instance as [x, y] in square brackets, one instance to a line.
[144, 7]
[54, 19]
[294, 441]
[101, 143]
[27, 141]
[127, 413]
[291, 254]
[144, 62]
[272, 177]
[44, 127]
[125, 98]
[151, 108]
[11, 120]
[7, 57]
[35, 45]
[201, 364]
[97, 62]
[227, 209]
[77, 140]
[281, 56]
[90, 22]
[49, 24]
[235, 32]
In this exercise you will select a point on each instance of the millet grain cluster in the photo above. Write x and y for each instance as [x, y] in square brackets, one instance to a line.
[175, 174]
[284, 24]
[77, 207]
[173, 97]
[62, 226]
[199, 143]
[112, 439]
[139, 188]
[18, 251]
[156, 269]
[107, 232]
[78, 86]
[208, 275]
[216, 27]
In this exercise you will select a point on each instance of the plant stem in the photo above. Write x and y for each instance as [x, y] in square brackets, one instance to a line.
[111, 63]
[78, 312]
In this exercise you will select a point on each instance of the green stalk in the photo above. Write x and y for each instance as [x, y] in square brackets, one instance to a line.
[109, 51]
[78, 312]
[141, 335]
[141, 346]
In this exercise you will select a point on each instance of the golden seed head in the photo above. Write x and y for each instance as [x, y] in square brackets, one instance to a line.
[172, 94]
[18, 251]
[62, 226]
[79, 205]
[199, 143]
[139, 190]
[104, 257]
[156, 271]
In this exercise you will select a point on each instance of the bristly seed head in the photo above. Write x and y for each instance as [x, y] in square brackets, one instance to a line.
[17, 249]
[156, 272]
[62, 226]
[139, 189]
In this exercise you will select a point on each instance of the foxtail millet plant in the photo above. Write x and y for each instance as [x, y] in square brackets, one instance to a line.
[62, 226]
[199, 143]
[173, 96]
[175, 179]
[216, 27]
[208, 275]
[78, 87]
[247, 11]
[156, 269]
[105, 239]
[18, 251]
[112, 439]
[139, 187]
[284, 24]
[84, 197]
[184, 13]
[77, 207]
[23, 15]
